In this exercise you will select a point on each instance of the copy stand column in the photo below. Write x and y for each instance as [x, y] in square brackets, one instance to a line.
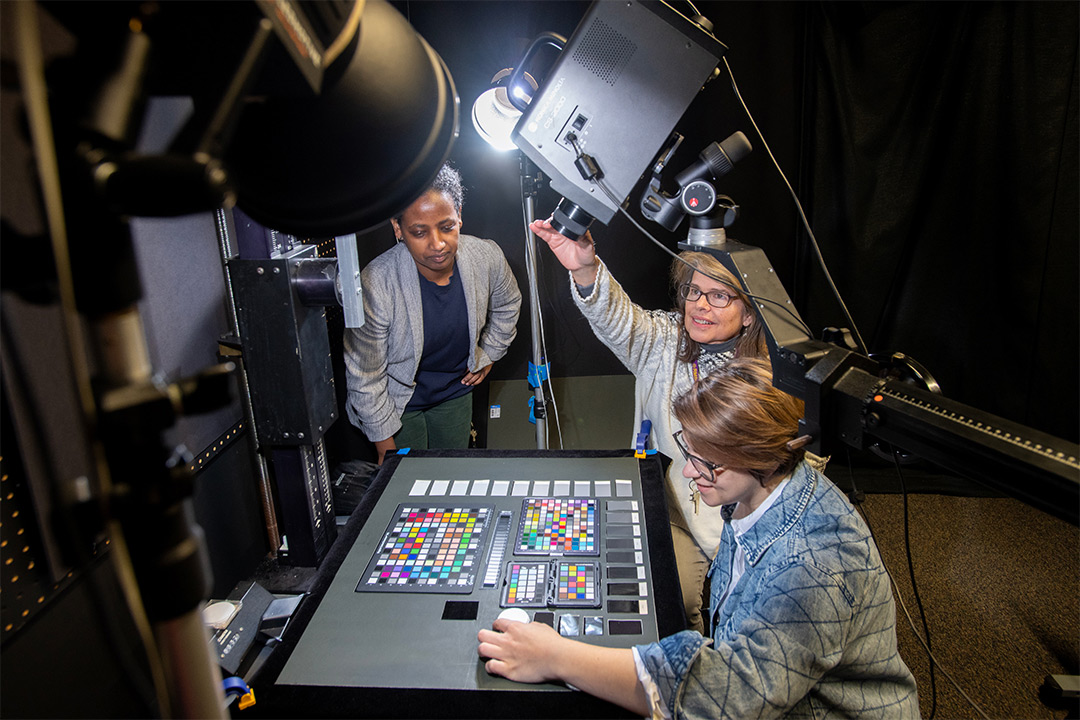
[530, 181]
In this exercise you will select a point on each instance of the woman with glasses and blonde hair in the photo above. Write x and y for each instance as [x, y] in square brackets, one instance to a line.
[801, 621]
[667, 350]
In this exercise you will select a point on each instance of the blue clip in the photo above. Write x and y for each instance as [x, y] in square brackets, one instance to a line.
[641, 442]
[532, 410]
[236, 687]
[537, 375]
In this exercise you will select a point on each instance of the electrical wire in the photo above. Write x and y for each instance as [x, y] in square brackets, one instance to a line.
[802, 214]
[534, 270]
[935, 663]
[722, 281]
[551, 388]
[914, 585]
[726, 283]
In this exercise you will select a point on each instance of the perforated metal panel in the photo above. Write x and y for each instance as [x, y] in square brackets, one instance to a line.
[25, 582]
[216, 448]
[604, 51]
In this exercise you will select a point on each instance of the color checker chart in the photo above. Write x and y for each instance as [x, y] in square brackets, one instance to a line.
[526, 584]
[428, 549]
[576, 584]
[558, 526]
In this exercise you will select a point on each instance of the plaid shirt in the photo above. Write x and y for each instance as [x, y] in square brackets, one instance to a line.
[808, 631]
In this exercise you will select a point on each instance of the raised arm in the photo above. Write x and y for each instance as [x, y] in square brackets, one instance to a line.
[577, 256]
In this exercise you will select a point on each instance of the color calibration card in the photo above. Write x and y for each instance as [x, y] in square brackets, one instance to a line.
[526, 584]
[558, 526]
[430, 549]
[576, 584]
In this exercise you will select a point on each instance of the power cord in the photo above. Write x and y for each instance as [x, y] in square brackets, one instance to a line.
[802, 214]
[722, 281]
[531, 268]
[914, 586]
[934, 662]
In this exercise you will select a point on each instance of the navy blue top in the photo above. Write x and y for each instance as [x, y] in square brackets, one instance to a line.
[445, 359]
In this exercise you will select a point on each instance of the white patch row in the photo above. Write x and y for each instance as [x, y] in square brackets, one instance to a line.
[522, 488]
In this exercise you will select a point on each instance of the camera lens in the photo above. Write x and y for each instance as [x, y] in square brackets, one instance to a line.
[570, 220]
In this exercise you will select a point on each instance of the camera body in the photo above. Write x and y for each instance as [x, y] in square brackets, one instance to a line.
[614, 94]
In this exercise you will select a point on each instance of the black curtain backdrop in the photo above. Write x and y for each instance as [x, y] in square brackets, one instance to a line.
[934, 148]
[942, 186]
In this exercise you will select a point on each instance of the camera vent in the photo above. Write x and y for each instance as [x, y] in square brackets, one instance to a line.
[604, 52]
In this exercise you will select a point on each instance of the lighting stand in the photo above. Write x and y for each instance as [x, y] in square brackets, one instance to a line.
[531, 180]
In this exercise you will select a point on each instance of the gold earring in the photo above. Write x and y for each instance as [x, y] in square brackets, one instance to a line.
[694, 495]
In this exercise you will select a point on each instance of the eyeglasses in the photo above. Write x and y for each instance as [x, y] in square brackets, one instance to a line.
[703, 466]
[717, 299]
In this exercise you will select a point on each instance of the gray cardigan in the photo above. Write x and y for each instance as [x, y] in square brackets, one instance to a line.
[382, 356]
[647, 343]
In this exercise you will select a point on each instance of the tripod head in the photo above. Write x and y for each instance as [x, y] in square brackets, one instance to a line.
[696, 195]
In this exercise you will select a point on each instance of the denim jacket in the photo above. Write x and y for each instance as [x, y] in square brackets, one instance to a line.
[808, 631]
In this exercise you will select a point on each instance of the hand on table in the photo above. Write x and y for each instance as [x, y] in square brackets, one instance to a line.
[519, 651]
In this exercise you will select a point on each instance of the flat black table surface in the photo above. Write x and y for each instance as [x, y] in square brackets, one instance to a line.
[275, 699]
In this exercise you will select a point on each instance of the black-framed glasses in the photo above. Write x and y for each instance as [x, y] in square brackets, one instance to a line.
[703, 466]
[716, 298]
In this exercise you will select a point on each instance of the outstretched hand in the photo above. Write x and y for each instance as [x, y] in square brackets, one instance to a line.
[519, 651]
[577, 256]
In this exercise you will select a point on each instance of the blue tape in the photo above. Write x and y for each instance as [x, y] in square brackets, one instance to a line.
[537, 374]
[532, 410]
[403, 451]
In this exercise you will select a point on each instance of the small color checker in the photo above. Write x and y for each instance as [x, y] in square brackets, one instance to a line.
[526, 584]
[577, 584]
[558, 526]
[428, 549]
[556, 583]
